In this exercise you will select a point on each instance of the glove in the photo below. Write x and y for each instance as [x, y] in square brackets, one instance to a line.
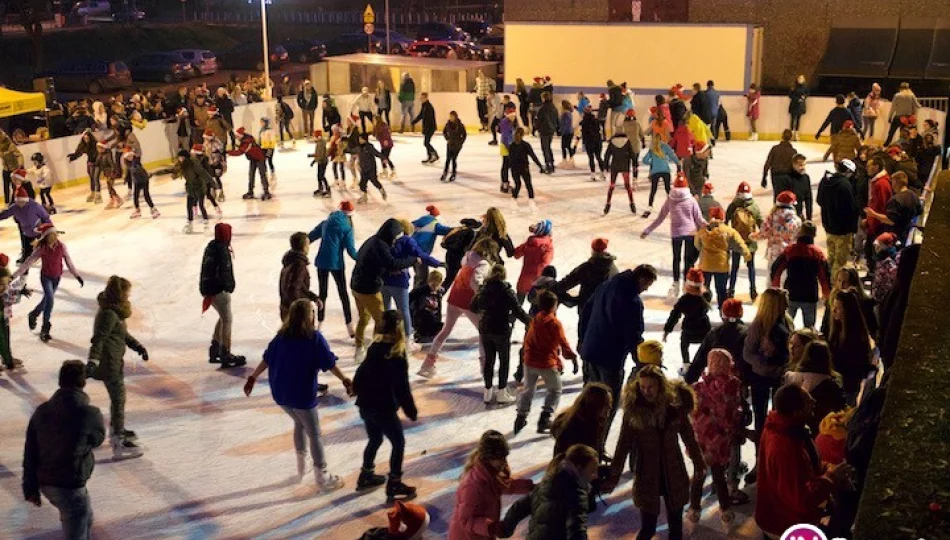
[765, 182]
[72, 157]
[144, 354]
[81, 282]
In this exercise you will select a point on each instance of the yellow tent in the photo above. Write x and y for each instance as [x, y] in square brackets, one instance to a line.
[13, 103]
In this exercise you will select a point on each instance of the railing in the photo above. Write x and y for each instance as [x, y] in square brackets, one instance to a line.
[352, 18]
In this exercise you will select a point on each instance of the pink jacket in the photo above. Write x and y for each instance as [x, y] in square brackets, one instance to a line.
[478, 504]
[718, 416]
[538, 252]
[684, 212]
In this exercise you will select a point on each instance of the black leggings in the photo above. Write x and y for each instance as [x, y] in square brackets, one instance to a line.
[141, 188]
[505, 169]
[674, 520]
[655, 183]
[566, 150]
[796, 122]
[384, 114]
[451, 158]
[209, 194]
[366, 179]
[269, 155]
[339, 170]
[500, 347]
[518, 177]
[381, 424]
[322, 184]
[45, 196]
[363, 116]
[386, 161]
[681, 244]
[340, 278]
[284, 125]
[762, 390]
[684, 347]
[593, 153]
[191, 202]
[895, 127]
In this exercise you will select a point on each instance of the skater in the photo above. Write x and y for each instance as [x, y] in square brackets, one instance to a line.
[58, 456]
[53, 255]
[836, 118]
[294, 281]
[407, 101]
[307, 102]
[591, 132]
[215, 159]
[367, 159]
[396, 284]
[872, 109]
[796, 105]
[495, 228]
[425, 305]
[799, 183]
[425, 230]
[519, 151]
[198, 153]
[708, 200]
[140, 180]
[603, 109]
[12, 159]
[29, 215]
[496, 306]
[10, 293]
[321, 158]
[631, 126]
[385, 139]
[714, 241]
[381, 386]
[779, 164]
[780, 228]
[336, 237]
[110, 337]
[331, 115]
[470, 278]
[850, 343]
[658, 157]
[216, 285]
[685, 219]
[268, 141]
[87, 146]
[196, 182]
[600, 267]
[255, 163]
[506, 127]
[335, 152]
[456, 244]
[547, 127]
[41, 172]
[521, 92]
[744, 216]
[904, 107]
[694, 309]
[294, 359]
[363, 106]
[383, 101]
[107, 167]
[620, 157]
[722, 124]
[696, 167]
[752, 110]
[496, 111]
[427, 117]
[483, 88]
[538, 252]
[455, 135]
[352, 149]
[805, 268]
[544, 344]
[730, 335]
[566, 129]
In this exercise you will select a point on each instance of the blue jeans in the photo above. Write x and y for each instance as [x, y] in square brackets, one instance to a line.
[809, 312]
[401, 296]
[734, 270]
[75, 510]
[50, 284]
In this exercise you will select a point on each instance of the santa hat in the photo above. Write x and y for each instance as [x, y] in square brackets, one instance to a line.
[318, 133]
[209, 134]
[708, 188]
[347, 208]
[19, 174]
[631, 113]
[128, 154]
[197, 149]
[407, 520]
[680, 181]
[21, 195]
[599, 245]
[732, 309]
[700, 146]
[45, 229]
[786, 198]
[694, 281]
[240, 131]
[717, 212]
[650, 352]
[4, 260]
[894, 151]
[848, 124]
[537, 79]
[432, 210]
[212, 110]
[886, 240]
[542, 228]
[744, 190]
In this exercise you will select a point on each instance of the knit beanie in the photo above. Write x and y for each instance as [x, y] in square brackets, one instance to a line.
[432, 210]
[732, 309]
[599, 245]
[650, 352]
[493, 445]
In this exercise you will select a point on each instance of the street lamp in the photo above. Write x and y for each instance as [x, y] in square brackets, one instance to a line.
[267, 86]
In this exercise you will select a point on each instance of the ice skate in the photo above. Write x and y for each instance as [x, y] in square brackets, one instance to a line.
[214, 353]
[247, 196]
[427, 371]
[674, 293]
[633, 209]
[188, 228]
[91, 197]
[382, 191]
[532, 206]
[123, 448]
[647, 212]
[606, 209]
[130, 435]
[488, 396]
[505, 188]
[326, 482]
[601, 176]
[504, 397]
[229, 360]
[221, 196]
[136, 214]
[384, 174]
[544, 422]
[218, 212]
[155, 213]
[52, 210]
[435, 158]
[444, 177]
[520, 422]
[492, 143]
[359, 354]
[753, 293]
[368, 480]
[98, 198]
[452, 178]
[397, 491]
[205, 225]
[392, 175]
[727, 516]
[44, 333]
[31, 320]
[111, 204]
[266, 196]
[795, 135]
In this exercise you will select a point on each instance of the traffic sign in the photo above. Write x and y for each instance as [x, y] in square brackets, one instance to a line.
[368, 28]
[369, 16]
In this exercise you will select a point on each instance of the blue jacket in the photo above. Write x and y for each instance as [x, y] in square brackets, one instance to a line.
[712, 102]
[507, 130]
[566, 123]
[582, 104]
[404, 247]
[427, 229]
[660, 164]
[612, 322]
[335, 235]
[293, 366]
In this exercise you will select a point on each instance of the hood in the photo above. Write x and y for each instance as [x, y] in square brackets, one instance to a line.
[643, 414]
[619, 140]
[390, 230]
[222, 233]
[338, 220]
[292, 257]
[122, 309]
[680, 194]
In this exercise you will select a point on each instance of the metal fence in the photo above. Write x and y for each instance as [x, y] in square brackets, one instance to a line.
[350, 18]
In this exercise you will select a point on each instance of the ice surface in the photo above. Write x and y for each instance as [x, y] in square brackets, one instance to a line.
[217, 463]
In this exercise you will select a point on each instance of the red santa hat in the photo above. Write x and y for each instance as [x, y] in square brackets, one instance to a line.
[694, 281]
[432, 210]
[408, 520]
[744, 190]
[102, 145]
[18, 175]
[4, 260]
[732, 309]
[787, 198]
[197, 149]
[599, 245]
[848, 124]
[21, 195]
[700, 146]
[631, 113]
[547, 78]
[603, 96]
[240, 131]
[347, 207]
[708, 188]
[894, 151]
[716, 212]
[886, 240]
[209, 134]
[45, 229]
[212, 110]
[680, 181]
[318, 133]
[537, 79]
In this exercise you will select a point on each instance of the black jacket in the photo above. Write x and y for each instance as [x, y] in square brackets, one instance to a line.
[836, 118]
[331, 117]
[375, 259]
[427, 115]
[695, 312]
[620, 154]
[729, 336]
[590, 130]
[368, 155]
[547, 119]
[217, 272]
[839, 210]
[699, 106]
[558, 508]
[59, 442]
[225, 106]
[504, 244]
[305, 103]
[589, 275]
[496, 303]
[382, 384]
[519, 153]
[455, 135]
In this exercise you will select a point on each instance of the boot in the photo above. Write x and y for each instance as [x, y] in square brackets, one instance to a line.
[266, 196]
[444, 177]
[52, 210]
[364, 198]
[91, 197]
[155, 213]
[123, 448]
[647, 212]
[633, 208]
[229, 360]
[606, 209]
[452, 178]
[382, 191]
[368, 480]
[248, 195]
[44, 333]
[98, 198]
[674, 293]
[397, 491]
[326, 482]
[520, 422]
[489, 396]
[753, 293]
[505, 188]
[136, 214]
[214, 353]
[130, 435]
[350, 329]
[544, 422]
[31, 319]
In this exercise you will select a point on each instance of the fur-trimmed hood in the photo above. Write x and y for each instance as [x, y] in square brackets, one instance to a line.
[679, 399]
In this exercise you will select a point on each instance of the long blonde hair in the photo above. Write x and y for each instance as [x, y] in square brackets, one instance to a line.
[299, 321]
[390, 330]
[773, 306]
[494, 224]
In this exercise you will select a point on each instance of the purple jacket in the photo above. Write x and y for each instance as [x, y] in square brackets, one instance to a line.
[28, 218]
[405, 246]
[507, 130]
[684, 212]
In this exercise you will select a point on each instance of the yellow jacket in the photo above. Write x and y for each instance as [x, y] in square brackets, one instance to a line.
[699, 129]
[268, 139]
[713, 241]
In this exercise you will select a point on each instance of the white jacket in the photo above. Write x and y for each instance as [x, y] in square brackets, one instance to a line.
[42, 176]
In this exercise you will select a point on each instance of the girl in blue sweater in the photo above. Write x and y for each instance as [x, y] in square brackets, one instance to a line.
[659, 157]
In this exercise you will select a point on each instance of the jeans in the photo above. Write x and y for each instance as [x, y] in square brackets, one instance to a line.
[518, 176]
[339, 277]
[381, 424]
[222, 329]
[307, 422]
[75, 510]
[256, 167]
[546, 141]
[496, 346]
[552, 396]
[408, 112]
[49, 284]
[762, 389]
[683, 244]
[94, 174]
[674, 520]
[809, 312]
[720, 278]
[655, 183]
[384, 114]
[734, 270]
[452, 314]
[6, 355]
[368, 306]
[401, 296]
[718, 473]
[427, 142]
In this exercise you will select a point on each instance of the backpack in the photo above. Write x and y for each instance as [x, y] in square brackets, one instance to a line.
[743, 222]
[456, 240]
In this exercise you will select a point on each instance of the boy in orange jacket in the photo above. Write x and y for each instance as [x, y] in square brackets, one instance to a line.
[544, 343]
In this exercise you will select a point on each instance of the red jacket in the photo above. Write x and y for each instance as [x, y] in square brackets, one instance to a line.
[791, 485]
[881, 193]
[478, 503]
[249, 148]
[682, 141]
[538, 252]
[544, 342]
[805, 267]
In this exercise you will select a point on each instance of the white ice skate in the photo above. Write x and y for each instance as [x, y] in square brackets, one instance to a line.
[91, 197]
[188, 228]
[326, 482]
[155, 213]
[136, 214]
[384, 174]
[205, 225]
[489, 396]
[504, 397]
[427, 371]
[364, 198]
[674, 292]
[392, 175]
[123, 448]
[601, 176]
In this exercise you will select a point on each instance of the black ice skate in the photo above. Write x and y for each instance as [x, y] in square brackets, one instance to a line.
[397, 491]
[520, 422]
[544, 423]
[44, 333]
[606, 209]
[368, 481]
[31, 320]
[214, 353]
[266, 196]
[248, 195]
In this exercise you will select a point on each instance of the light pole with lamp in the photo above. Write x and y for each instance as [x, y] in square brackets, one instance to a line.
[267, 85]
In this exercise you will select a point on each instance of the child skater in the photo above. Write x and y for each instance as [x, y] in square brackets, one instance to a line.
[217, 160]
[591, 137]
[519, 151]
[538, 252]
[41, 173]
[196, 181]
[106, 167]
[53, 254]
[10, 292]
[210, 182]
[385, 138]
[659, 157]
[695, 311]
[140, 181]
[425, 304]
[336, 152]
[544, 343]
[321, 158]
[367, 158]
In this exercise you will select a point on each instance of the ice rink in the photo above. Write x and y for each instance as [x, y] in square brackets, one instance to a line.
[219, 464]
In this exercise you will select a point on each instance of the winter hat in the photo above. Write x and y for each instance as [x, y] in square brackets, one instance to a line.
[197, 149]
[21, 195]
[694, 281]
[847, 166]
[4, 260]
[318, 133]
[717, 212]
[708, 188]
[549, 271]
[240, 131]
[786, 198]
[719, 362]
[848, 124]
[910, 120]
[510, 108]
[183, 153]
[19, 174]
[650, 352]
[631, 113]
[680, 181]
[744, 190]
[886, 240]
[407, 520]
[542, 228]
[432, 210]
[732, 309]
[45, 229]
[347, 207]
[547, 78]
[212, 110]
[599, 245]
[208, 134]
[471, 223]
[808, 230]
[700, 146]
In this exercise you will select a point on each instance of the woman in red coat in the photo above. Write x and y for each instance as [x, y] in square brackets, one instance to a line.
[538, 252]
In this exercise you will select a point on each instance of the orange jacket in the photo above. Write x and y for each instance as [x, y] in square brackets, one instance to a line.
[544, 341]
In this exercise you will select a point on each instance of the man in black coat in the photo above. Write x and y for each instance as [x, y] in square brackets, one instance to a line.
[58, 458]
[427, 116]
[700, 104]
[307, 101]
[547, 129]
[839, 213]
[216, 285]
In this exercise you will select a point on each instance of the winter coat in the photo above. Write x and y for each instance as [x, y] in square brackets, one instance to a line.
[320, 154]
[730, 335]
[682, 141]
[713, 242]
[407, 90]
[880, 193]
[249, 148]
[427, 116]
[660, 163]
[496, 304]
[503, 244]
[717, 418]
[336, 236]
[538, 252]
[652, 434]
[427, 229]
[294, 280]
[779, 160]
[706, 203]
[699, 106]
[383, 134]
[566, 123]
[845, 145]
[836, 119]
[225, 105]
[293, 365]
[469, 280]
[381, 384]
[109, 340]
[904, 103]
[839, 210]
[590, 130]
[383, 99]
[780, 229]
[612, 325]
[791, 488]
[800, 184]
[695, 312]
[620, 154]
[827, 393]
[856, 106]
[697, 173]
[196, 177]
[852, 359]
[558, 507]
[406, 247]
[545, 342]
[520, 153]
[763, 364]
[506, 130]
[425, 308]
[631, 126]
[547, 120]
[219, 127]
[375, 259]
[455, 135]
[684, 212]
[677, 110]
[87, 148]
[368, 156]
[331, 117]
[478, 503]
[699, 129]
[217, 272]
[796, 100]
[749, 205]
[805, 267]
[589, 275]
[712, 103]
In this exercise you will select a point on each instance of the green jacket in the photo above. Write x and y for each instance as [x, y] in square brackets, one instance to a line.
[557, 506]
[110, 337]
[753, 208]
[10, 155]
[196, 177]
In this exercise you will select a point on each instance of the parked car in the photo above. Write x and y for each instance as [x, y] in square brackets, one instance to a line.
[204, 61]
[476, 29]
[398, 43]
[491, 47]
[305, 51]
[92, 8]
[162, 66]
[251, 56]
[440, 49]
[353, 43]
[436, 31]
[93, 76]
[102, 11]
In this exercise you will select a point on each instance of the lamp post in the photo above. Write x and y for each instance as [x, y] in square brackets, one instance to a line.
[267, 86]
[386, 10]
